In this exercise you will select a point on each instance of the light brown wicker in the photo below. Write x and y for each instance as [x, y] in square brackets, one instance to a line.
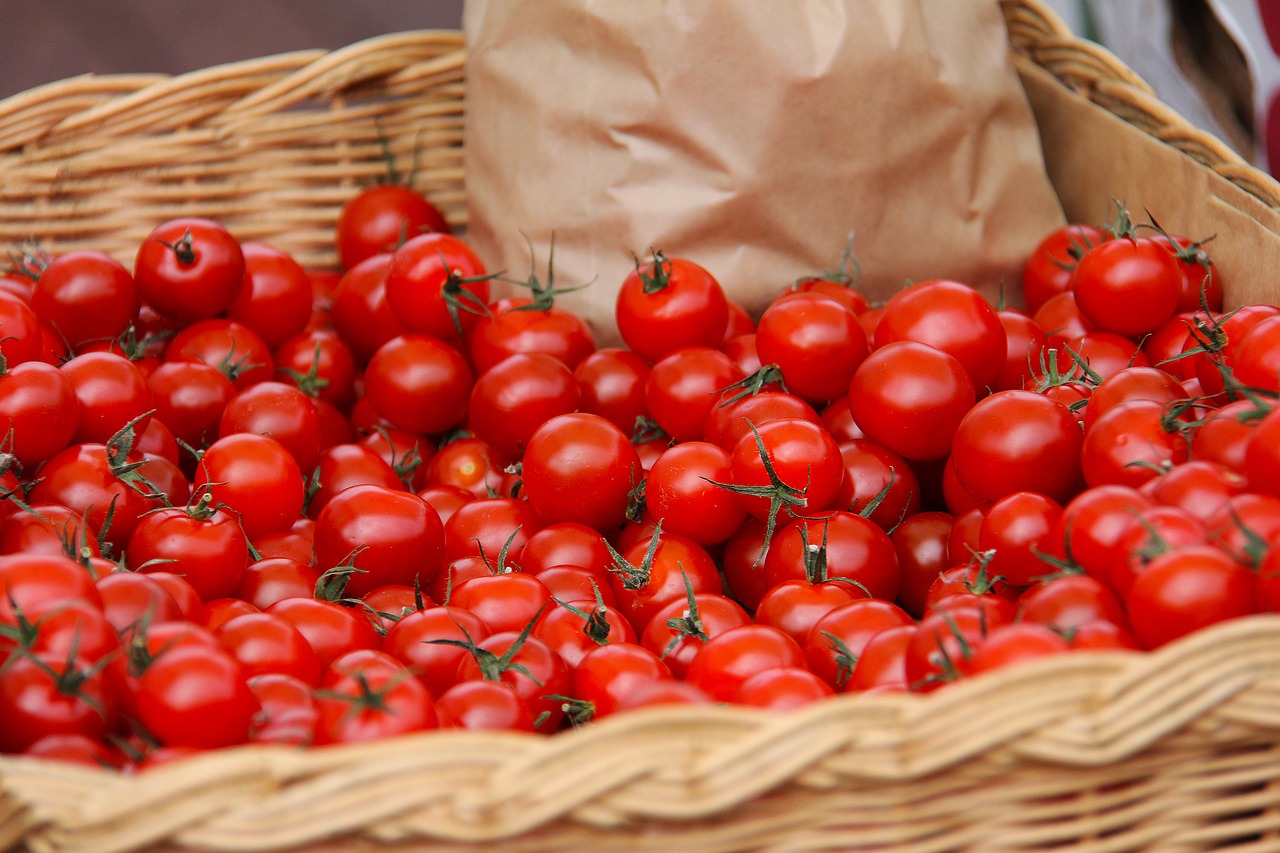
[1177, 750]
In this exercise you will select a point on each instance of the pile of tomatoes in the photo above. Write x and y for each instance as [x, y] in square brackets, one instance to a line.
[248, 502]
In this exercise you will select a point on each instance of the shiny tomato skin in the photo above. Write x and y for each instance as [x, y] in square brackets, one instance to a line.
[189, 269]
[257, 479]
[580, 467]
[951, 317]
[84, 296]
[390, 536]
[667, 304]
[381, 217]
[724, 662]
[436, 285]
[1129, 286]
[816, 343]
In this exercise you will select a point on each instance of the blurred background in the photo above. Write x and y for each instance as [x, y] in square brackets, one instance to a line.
[47, 40]
[1217, 62]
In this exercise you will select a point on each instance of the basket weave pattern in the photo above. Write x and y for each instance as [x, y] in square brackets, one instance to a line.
[1177, 750]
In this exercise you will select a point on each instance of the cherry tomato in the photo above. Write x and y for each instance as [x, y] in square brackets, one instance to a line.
[666, 304]
[381, 217]
[189, 269]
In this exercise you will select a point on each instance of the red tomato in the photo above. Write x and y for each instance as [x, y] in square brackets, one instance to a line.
[1018, 528]
[522, 325]
[1048, 270]
[726, 661]
[1011, 644]
[681, 492]
[882, 665]
[195, 696]
[256, 478]
[782, 689]
[266, 643]
[650, 575]
[189, 269]
[38, 409]
[1130, 444]
[1129, 286]
[85, 296]
[528, 665]
[667, 304]
[517, 396]
[606, 674]
[839, 638]
[1188, 589]
[331, 629]
[381, 217]
[388, 536]
[878, 483]
[279, 411]
[367, 695]
[419, 383]
[202, 544]
[787, 463]
[612, 383]
[580, 467]
[233, 348]
[275, 297]
[911, 397]
[189, 397]
[484, 706]
[681, 389]
[815, 342]
[574, 627]
[288, 713]
[437, 285]
[922, 542]
[362, 317]
[320, 363]
[345, 465]
[677, 631]
[427, 642]
[951, 317]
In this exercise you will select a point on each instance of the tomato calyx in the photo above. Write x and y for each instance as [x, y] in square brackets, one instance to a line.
[656, 275]
[780, 494]
[136, 348]
[1122, 226]
[366, 698]
[310, 383]
[844, 657]
[542, 296]
[816, 568]
[405, 464]
[331, 586]
[948, 670]
[848, 272]
[636, 577]
[501, 567]
[118, 448]
[181, 248]
[457, 298]
[29, 261]
[636, 504]
[688, 625]
[493, 666]
[647, 430]
[751, 385]
[233, 368]
[596, 623]
[578, 712]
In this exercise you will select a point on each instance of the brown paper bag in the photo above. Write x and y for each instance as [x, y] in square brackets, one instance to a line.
[752, 138]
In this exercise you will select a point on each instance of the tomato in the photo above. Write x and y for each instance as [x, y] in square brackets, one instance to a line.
[1246, 527]
[320, 363]
[1011, 644]
[844, 549]
[1018, 528]
[612, 382]
[232, 347]
[911, 397]
[782, 689]
[266, 643]
[566, 544]
[195, 696]
[1257, 356]
[1201, 279]
[1188, 589]
[944, 644]
[523, 325]
[678, 630]
[815, 342]
[1093, 522]
[273, 579]
[388, 536]
[681, 492]
[1129, 286]
[576, 626]
[725, 661]
[257, 480]
[1131, 444]
[1262, 455]
[407, 453]
[419, 383]
[517, 396]
[787, 463]
[528, 665]
[728, 422]
[424, 641]
[951, 317]
[878, 483]
[607, 673]
[795, 606]
[484, 706]
[838, 638]
[189, 269]
[38, 410]
[666, 304]
[1048, 269]
[445, 500]
[1219, 338]
[1067, 602]
[1160, 529]
[1061, 319]
[437, 285]
[92, 480]
[189, 398]
[1018, 441]
[345, 465]
[331, 629]
[1025, 344]
[21, 330]
[1198, 487]
[362, 317]
[681, 389]
[203, 544]
[85, 296]
[279, 411]
[42, 696]
[1164, 346]
[882, 665]
[649, 575]
[580, 467]
[922, 543]
[470, 464]
[381, 217]
[288, 712]
[743, 562]
[368, 695]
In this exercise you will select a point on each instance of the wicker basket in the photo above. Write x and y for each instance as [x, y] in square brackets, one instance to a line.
[1174, 750]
